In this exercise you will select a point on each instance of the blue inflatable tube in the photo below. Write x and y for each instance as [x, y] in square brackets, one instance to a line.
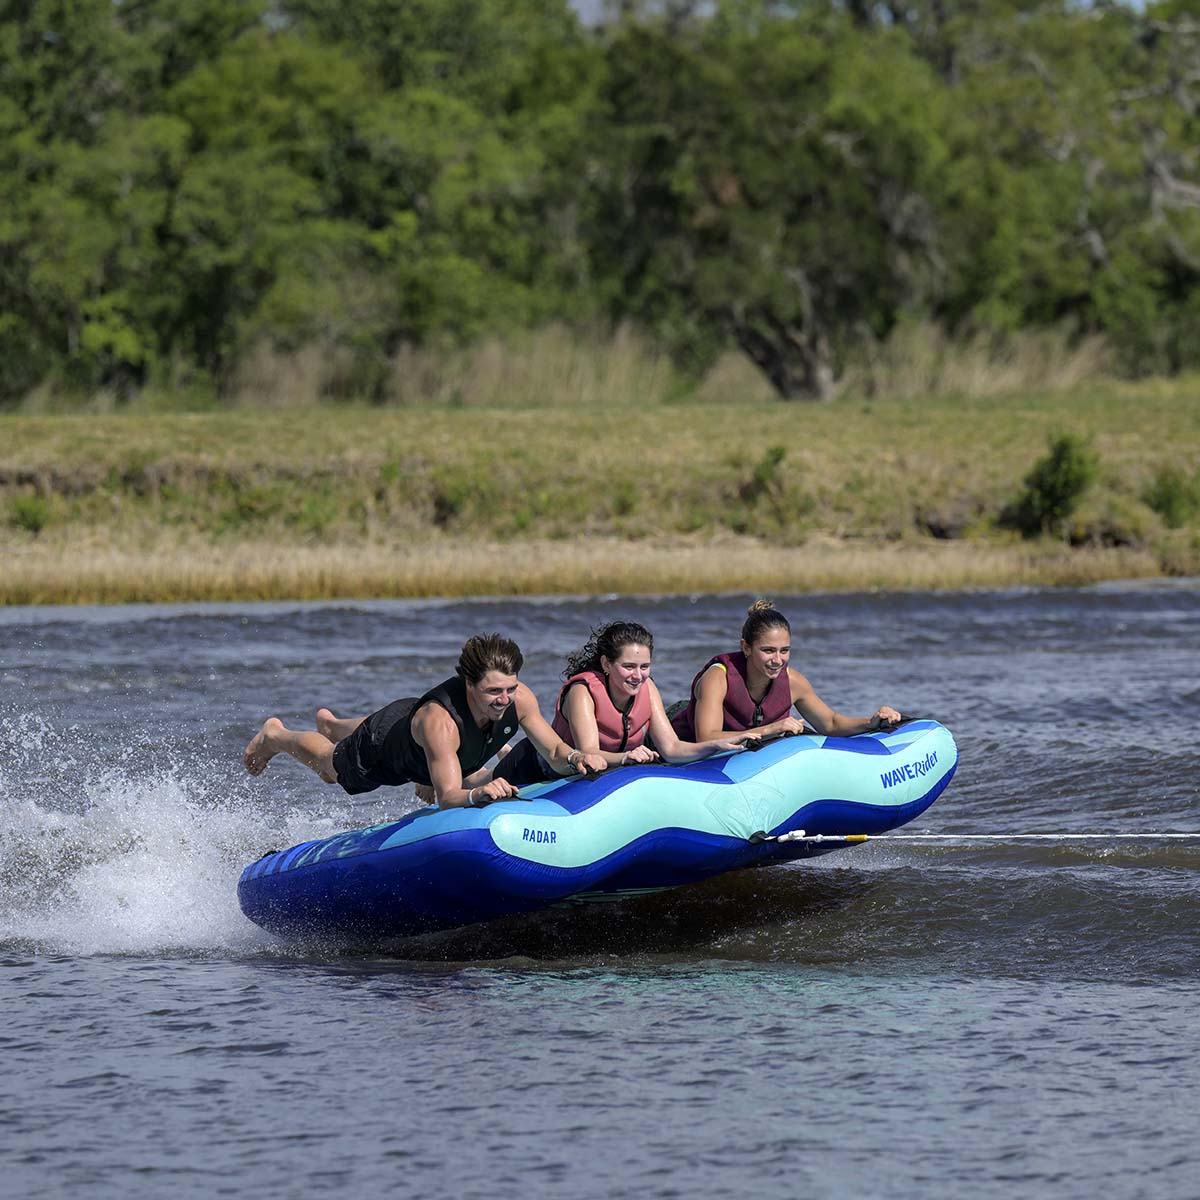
[623, 832]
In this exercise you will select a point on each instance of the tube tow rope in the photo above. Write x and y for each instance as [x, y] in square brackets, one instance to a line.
[798, 835]
[1118, 836]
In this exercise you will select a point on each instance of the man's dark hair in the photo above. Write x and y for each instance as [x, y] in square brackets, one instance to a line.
[488, 652]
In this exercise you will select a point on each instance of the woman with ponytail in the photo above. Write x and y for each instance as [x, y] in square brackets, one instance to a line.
[754, 688]
[610, 706]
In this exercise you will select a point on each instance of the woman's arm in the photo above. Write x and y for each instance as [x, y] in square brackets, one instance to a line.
[674, 749]
[580, 710]
[710, 710]
[828, 721]
[563, 759]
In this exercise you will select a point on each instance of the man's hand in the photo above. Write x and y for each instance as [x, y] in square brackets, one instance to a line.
[489, 793]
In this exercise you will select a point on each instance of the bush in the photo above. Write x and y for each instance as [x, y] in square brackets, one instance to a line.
[1112, 518]
[1174, 495]
[1053, 488]
[765, 478]
[31, 513]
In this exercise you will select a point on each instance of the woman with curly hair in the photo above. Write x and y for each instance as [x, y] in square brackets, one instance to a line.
[610, 706]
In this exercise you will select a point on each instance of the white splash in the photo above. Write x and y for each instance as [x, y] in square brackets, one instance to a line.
[135, 859]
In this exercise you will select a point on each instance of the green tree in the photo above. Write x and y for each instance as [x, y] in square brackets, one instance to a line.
[1073, 180]
[769, 185]
[63, 69]
[459, 165]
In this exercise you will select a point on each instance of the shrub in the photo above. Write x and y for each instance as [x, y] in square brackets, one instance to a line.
[1053, 488]
[765, 477]
[31, 513]
[624, 499]
[1174, 495]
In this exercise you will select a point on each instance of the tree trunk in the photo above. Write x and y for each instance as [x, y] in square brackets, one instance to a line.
[798, 362]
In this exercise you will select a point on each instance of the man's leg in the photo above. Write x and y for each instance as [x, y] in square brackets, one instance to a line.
[306, 746]
[336, 728]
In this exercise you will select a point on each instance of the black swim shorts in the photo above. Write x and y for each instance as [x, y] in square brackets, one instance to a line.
[363, 761]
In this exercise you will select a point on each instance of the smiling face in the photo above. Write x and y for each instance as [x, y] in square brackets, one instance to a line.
[768, 657]
[627, 672]
[491, 695]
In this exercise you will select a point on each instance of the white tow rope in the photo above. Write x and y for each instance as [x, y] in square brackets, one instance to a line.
[1118, 836]
[798, 835]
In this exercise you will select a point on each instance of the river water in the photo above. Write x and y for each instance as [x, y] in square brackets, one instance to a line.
[994, 1016]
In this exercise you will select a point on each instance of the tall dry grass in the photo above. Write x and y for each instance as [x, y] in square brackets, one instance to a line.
[550, 368]
[561, 367]
[557, 367]
[920, 359]
[272, 379]
[82, 574]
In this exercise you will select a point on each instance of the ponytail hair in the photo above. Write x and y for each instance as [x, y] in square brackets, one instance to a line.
[607, 641]
[488, 652]
[761, 616]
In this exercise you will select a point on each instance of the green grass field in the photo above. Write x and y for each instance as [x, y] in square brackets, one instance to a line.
[689, 497]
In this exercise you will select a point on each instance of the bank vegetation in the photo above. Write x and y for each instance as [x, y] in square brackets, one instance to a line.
[747, 494]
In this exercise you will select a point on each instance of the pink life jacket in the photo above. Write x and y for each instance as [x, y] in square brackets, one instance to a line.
[740, 709]
[618, 730]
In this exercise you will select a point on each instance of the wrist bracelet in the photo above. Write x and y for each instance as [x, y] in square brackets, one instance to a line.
[471, 798]
[571, 758]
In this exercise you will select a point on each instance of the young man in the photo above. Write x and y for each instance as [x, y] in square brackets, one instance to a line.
[437, 741]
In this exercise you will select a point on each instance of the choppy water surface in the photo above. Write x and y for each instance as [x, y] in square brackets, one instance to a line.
[904, 1019]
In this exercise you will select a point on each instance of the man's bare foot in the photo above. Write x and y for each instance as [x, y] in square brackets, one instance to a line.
[261, 749]
[336, 728]
[326, 724]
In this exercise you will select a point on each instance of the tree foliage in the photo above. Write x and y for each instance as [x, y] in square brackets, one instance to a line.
[182, 181]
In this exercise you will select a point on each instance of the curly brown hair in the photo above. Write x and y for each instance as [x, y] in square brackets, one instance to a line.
[609, 640]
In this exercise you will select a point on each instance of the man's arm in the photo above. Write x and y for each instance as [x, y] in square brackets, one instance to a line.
[435, 732]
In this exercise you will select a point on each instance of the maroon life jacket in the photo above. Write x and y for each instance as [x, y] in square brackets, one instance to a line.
[740, 710]
[618, 730]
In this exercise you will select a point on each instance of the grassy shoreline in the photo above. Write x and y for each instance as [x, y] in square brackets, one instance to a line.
[593, 566]
[359, 502]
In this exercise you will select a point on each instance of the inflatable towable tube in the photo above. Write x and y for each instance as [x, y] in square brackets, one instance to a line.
[623, 832]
